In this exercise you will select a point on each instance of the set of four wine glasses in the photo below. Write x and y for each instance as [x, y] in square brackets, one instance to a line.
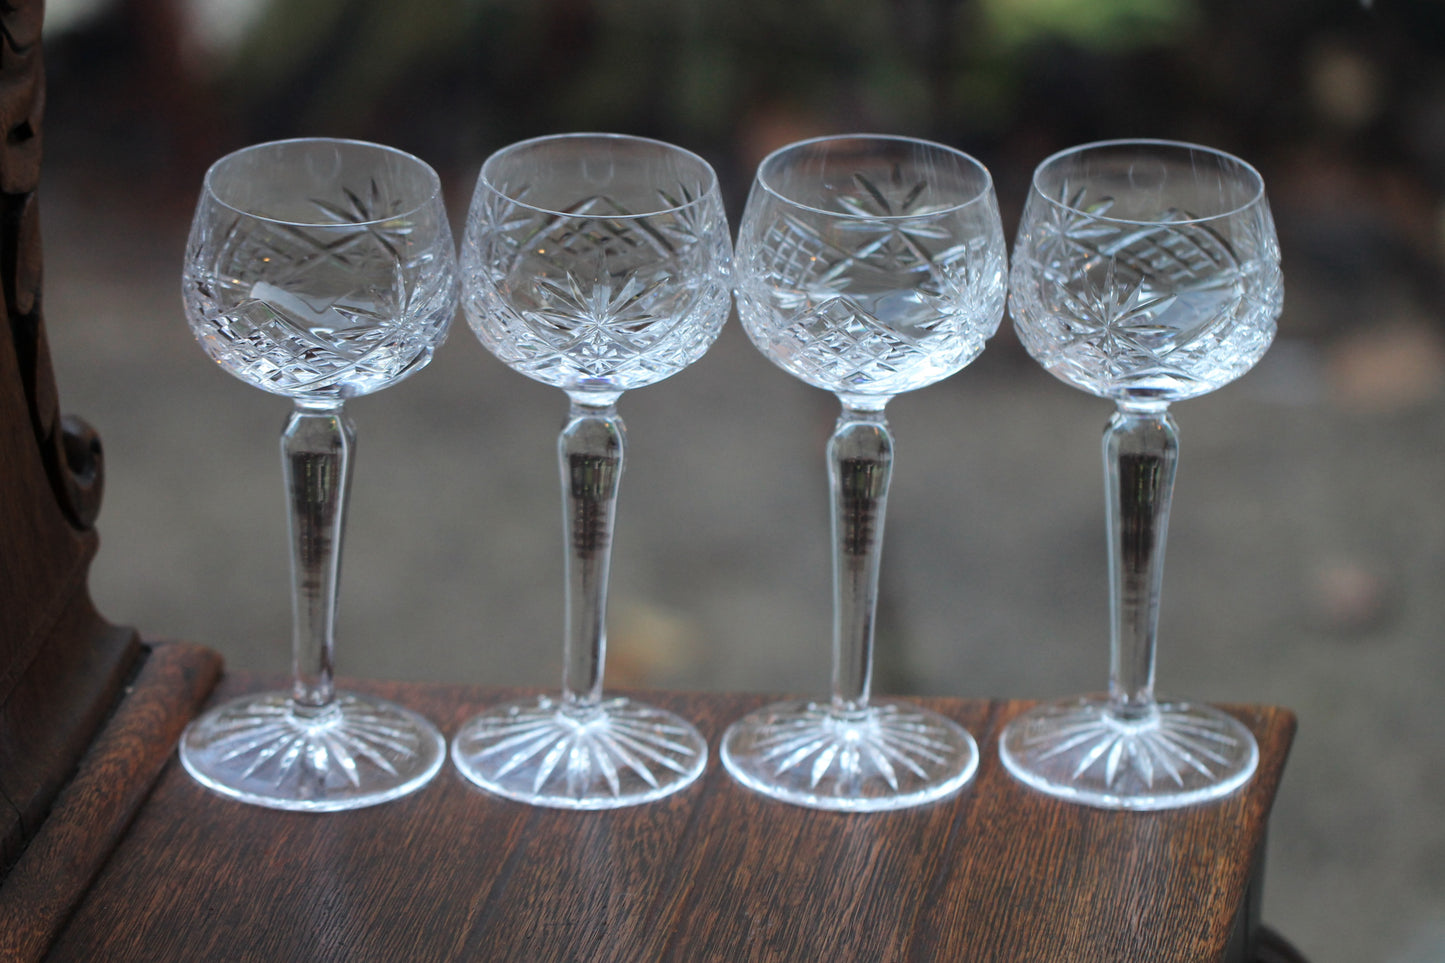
[1143, 271]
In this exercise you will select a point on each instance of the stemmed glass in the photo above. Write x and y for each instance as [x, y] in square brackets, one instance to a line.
[596, 263]
[867, 266]
[320, 270]
[1145, 272]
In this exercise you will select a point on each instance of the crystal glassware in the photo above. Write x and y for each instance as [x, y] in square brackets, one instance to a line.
[596, 263]
[317, 269]
[1144, 272]
[867, 266]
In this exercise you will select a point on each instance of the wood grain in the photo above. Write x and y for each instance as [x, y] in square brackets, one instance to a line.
[102, 797]
[714, 873]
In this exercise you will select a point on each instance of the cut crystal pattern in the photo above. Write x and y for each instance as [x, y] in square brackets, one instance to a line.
[1175, 743]
[357, 751]
[875, 748]
[597, 264]
[335, 309]
[618, 753]
[1171, 308]
[883, 301]
[1122, 287]
[597, 296]
[1176, 754]
[867, 266]
[885, 756]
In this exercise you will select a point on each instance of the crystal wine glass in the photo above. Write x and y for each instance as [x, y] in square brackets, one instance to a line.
[867, 266]
[596, 263]
[320, 270]
[1145, 272]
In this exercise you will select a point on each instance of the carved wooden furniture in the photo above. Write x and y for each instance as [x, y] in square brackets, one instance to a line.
[75, 691]
[109, 852]
[62, 667]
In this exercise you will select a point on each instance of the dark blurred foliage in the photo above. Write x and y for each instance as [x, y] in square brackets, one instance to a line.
[1341, 104]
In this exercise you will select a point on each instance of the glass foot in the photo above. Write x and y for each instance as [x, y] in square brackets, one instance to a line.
[357, 752]
[618, 753]
[1079, 750]
[888, 756]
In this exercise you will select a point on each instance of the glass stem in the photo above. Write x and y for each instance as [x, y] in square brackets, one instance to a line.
[590, 451]
[1141, 452]
[316, 452]
[860, 463]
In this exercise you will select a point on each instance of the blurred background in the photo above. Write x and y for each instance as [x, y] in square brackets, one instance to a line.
[1308, 538]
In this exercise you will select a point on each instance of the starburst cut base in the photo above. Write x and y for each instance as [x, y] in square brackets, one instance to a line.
[358, 752]
[890, 755]
[1079, 750]
[618, 753]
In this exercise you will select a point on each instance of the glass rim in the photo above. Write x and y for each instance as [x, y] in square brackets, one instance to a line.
[710, 186]
[1149, 142]
[208, 182]
[985, 189]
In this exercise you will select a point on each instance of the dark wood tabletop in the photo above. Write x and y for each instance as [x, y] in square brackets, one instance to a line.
[995, 873]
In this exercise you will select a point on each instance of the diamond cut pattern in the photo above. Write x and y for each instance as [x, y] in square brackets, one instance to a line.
[862, 302]
[337, 309]
[596, 295]
[843, 343]
[1169, 306]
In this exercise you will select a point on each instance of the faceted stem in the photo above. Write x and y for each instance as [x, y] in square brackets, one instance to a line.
[1141, 451]
[317, 445]
[860, 463]
[590, 452]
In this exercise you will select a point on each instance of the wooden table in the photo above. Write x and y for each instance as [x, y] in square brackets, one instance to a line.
[996, 873]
